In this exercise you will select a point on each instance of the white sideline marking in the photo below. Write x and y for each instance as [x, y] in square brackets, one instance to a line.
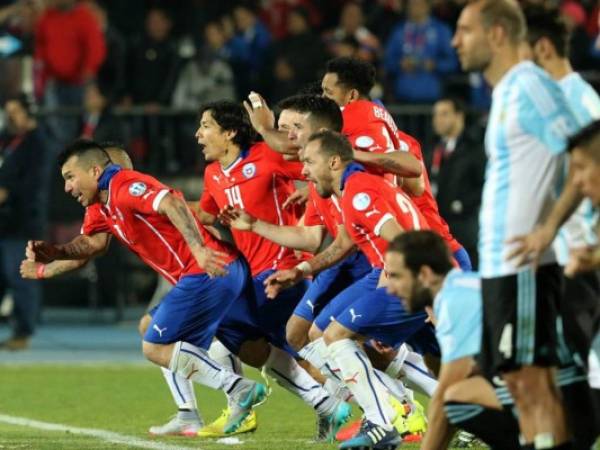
[109, 436]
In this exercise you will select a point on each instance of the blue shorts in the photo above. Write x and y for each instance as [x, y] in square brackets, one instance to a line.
[370, 311]
[329, 283]
[462, 258]
[194, 308]
[274, 314]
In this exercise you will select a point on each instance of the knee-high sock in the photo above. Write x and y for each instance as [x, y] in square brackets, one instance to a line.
[219, 353]
[292, 377]
[418, 374]
[359, 377]
[193, 363]
[181, 389]
[317, 353]
[394, 386]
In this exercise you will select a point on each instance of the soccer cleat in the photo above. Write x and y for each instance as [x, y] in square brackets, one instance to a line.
[374, 437]
[349, 431]
[329, 424]
[416, 420]
[177, 427]
[216, 428]
[242, 405]
[466, 440]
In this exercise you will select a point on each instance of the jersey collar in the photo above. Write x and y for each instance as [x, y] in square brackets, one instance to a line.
[109, 172]
[243, 154]
[349, 170]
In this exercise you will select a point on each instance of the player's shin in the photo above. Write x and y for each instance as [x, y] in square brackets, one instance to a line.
[219, 353]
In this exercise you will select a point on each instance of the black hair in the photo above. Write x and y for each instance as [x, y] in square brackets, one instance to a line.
[457, 103]
[324, 112]
[549, 25]
[423, 248]
[353, 73]
[23, 100]
[232, 116]
[333, 144]
[587, 138]
[89, 151]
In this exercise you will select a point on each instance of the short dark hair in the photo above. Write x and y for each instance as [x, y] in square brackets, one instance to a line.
[353, 73]
[323, 111]
[333, 144]
[423, 248]
[549, 25]
[114, 145]
[232, 116]
[588, 138]
[86, 150]
[457, 103]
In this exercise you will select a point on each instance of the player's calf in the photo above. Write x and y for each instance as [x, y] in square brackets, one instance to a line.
[159, 354]
[296, 332]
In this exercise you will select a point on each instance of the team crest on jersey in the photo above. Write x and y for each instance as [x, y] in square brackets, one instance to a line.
[364, 141]
[136, 189]
[249, 170]
[361, 201]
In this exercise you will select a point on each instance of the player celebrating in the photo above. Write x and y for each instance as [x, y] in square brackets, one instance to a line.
[156, 224]
[526, 134]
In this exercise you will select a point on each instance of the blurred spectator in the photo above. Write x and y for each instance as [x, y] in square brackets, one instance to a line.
[98, 122]
[383, 16]
[448, 10]
[575, 18]
[249, 49]
[69, 49]
[418, 54]
[23, 188]
[275, 15]
[457, 173]
[153, 62]
[111, 78]
[352, 26]
[208, 76]
[293, 65]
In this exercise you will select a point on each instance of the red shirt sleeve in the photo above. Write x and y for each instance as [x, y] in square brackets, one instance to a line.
[287, 169]
[94, 221]
[369, 208]
[373, 137]
[312, 216]
[142, 194]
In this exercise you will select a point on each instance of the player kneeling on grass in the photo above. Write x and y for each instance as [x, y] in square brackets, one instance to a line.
[154, 221]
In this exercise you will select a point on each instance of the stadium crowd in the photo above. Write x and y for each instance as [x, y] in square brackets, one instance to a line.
[328, 247]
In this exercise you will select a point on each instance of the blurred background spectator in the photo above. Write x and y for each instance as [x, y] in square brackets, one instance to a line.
[456, 172]
[23, 207]
[69, 49]
[418, 53]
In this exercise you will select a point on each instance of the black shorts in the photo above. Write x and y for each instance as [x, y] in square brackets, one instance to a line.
[520, 320]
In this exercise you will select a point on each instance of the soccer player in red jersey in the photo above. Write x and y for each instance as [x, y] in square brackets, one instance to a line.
[254, 178]
[370, 127]
[154, 222]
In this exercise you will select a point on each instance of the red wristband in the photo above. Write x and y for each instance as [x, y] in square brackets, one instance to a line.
[40, 271]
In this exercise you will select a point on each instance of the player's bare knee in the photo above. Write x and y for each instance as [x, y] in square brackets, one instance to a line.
[336, 332]
[144, 323]
[314, 333]
[155, 353]
[296, 333]
[529, 385]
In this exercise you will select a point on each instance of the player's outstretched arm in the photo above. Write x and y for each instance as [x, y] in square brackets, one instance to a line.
[263, 121]
[439, 432]
[341, 247]
[529, 247]
[403, 164]
[304, 238]
[32, 270]
[182, 218]
[81, 247]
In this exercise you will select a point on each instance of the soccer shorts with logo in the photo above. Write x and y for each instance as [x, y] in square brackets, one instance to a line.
[520, 317]
[370, 311]
[329, 283]
[195, 306]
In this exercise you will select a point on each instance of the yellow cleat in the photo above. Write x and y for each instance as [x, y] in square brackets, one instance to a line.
[416, 419]
[401, 411]
[215, 428]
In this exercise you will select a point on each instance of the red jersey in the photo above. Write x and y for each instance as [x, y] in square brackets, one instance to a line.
[323, 211]
[258, 182]
[368, 202]
[370, 127]
[131, 216]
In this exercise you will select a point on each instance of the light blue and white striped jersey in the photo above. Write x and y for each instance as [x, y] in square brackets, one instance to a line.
[458, 311]
[578, 231]
[525, 141]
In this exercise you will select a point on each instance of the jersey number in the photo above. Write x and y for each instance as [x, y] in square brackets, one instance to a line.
[234, 196]
[407, 207]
